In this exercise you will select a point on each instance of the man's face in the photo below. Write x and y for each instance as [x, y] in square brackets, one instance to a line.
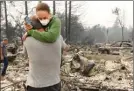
[5, 42]
[43, 15]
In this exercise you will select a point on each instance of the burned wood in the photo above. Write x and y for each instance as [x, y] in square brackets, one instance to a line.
[85, 65]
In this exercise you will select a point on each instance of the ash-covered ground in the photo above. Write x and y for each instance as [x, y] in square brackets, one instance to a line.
[110, 72]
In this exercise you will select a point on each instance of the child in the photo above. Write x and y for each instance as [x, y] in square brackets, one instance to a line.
[48, 33]
[36, 25]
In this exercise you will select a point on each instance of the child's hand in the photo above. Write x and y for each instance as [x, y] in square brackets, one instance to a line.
[28, 27]
[41, 30]
[24, 36]
[64, 53]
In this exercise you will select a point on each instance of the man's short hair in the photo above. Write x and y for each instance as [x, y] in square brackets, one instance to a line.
[5, 39]
[36, 24]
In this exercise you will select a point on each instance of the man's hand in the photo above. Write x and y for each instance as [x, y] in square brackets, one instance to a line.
[28, 27]
[24, 36]
[67, 48]
[64, 52]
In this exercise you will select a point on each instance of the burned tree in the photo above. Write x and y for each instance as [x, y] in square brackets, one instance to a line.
[117, 12]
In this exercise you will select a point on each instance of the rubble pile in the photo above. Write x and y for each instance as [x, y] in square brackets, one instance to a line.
[108, 74]
[82, 69]
[16, 73]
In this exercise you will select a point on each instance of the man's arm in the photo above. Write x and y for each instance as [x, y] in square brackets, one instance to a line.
[64, 46]
[25, 52]
[51, 35]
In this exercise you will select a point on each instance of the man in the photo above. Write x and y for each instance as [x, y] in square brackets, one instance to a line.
[44, 64]
[44, 51]
[4, 56]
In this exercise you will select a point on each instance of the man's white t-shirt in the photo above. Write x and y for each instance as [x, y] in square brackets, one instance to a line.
[44, 62]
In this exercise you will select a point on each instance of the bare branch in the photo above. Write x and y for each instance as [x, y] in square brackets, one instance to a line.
[32, 10]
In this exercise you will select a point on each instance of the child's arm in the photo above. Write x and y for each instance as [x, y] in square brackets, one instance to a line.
[51, 35]
[26, 35]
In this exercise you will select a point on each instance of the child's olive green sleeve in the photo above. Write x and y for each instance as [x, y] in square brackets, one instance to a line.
[52, 33]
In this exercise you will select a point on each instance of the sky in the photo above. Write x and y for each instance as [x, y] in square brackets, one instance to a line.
[91, 12]
[101, 12]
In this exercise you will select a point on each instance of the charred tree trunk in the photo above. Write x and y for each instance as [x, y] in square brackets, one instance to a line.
[6, 19]
[0, 16]
[69, 25]
[66, 28]
[54, 8]
[26, 8]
